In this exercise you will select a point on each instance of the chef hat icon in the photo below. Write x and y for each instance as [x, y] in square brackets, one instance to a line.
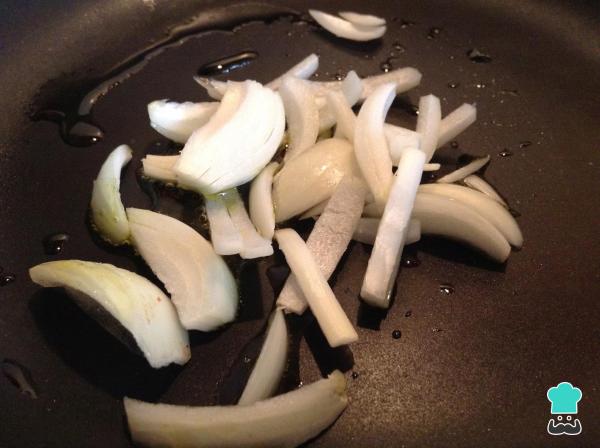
[564, 398]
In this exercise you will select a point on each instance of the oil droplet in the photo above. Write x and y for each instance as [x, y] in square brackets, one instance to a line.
[339, 76]
[509, 92]
[505, 153]
[410, 262]
[480, 85]
[247, 360]
[53, 244]
[19, 377]
[406, 23]
[5, 279]
[434, 33]
[396, 334]
[227, 64]
[525, 144]
[454, 144]
[432, 175]
[453, 85]
[78, 132]
[478, 57]
[354, 375]
[399, 47]
[437, 330]
[385, 67]
[408, 313]
[447, 289]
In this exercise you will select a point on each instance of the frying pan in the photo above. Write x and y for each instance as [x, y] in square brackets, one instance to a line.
[471, 368]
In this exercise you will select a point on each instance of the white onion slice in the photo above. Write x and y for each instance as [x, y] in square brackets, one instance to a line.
[225, 237]
[177, 121]
[329, 238]
[302, 115]
[456, 122]
[255, 246]
[302, 70]
[287, 420]
[345, 29]
[370, 144]
[343, 116]
[202, 288]
[108, 213]
[312, 177]
[366, 20]
[261, 208]
[366, 231]
[327, 310]
[269, 367]
[461, 173]
[160, 168]
[486, 207]
[391, 235]
[399, 140]
[405, 79]
[428, 124]
[139, 306]
[444, 216]
[431, 167]
[477, 183]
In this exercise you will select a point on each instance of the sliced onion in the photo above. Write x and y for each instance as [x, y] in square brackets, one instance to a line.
[345, 29]
[236, 143]
[139, 306]
[108, 212]
[405, 79]
[255, 246]
[202, 288]
[366, 231]
[329, 238]
[456, 122]
[370, 144]
[269, 367]
[431, 167]
[177, 121]
[477, 183]
[287, 420]
[444, 216]
[160, 168]
[399, 140]
[315, 211]
[302, 70]
[343, 116]
[225, 237]
[312, 177]
[428, 124]
[486, 207]
[327, 310]
[366, 20]
[461, 173]
[262, 212]
[302, 115]
[391, 234]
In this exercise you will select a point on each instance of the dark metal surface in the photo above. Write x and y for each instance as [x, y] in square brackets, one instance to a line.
[470, 369]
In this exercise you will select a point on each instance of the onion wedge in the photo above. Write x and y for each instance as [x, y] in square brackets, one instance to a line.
[370, 144]
[345, 29]
[261, 201]
[477, 183]
[287, 420]
[225, 237]
[312, 177]
[456, 122]
[202, 288]
[302, 115]
[461, 173]
[444, 216]
[428, 124]
[139, 306]
[160, 168]
[366, 20]
[399, 140]
[302, 70]
[366, 231]
[108, 213]
[269, 367]
[391, 235]
[489, 209]
[177, 121]
[327, 310]
[329, 238]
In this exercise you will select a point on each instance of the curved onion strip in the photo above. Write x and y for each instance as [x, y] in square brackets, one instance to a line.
[215, 89]
[302, 116]
[366, 20]
[255, 246]
[269, 367]
[366, 231]
[400, 139]
[108, 212]
[261, 201]
[345, 29]
[202, 288]
[287, 420]
[329, 238]
[160, 168]
[139, 306]
[489, 209]
[443, 216]
[428, 124]
[344, 116]
[370, 144]
[431, 167]
[456, 122]
[391, 234]
[405, 79]
[477, 183]
[327, 310]
[464, 171]
[177, 121]
[302, 70]
[225, 237]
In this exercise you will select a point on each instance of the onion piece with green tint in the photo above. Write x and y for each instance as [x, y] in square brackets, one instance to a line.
[261, 208]
[160, 168]
[225, 237]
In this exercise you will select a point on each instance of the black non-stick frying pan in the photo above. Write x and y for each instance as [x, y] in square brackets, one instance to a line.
[471, 368]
